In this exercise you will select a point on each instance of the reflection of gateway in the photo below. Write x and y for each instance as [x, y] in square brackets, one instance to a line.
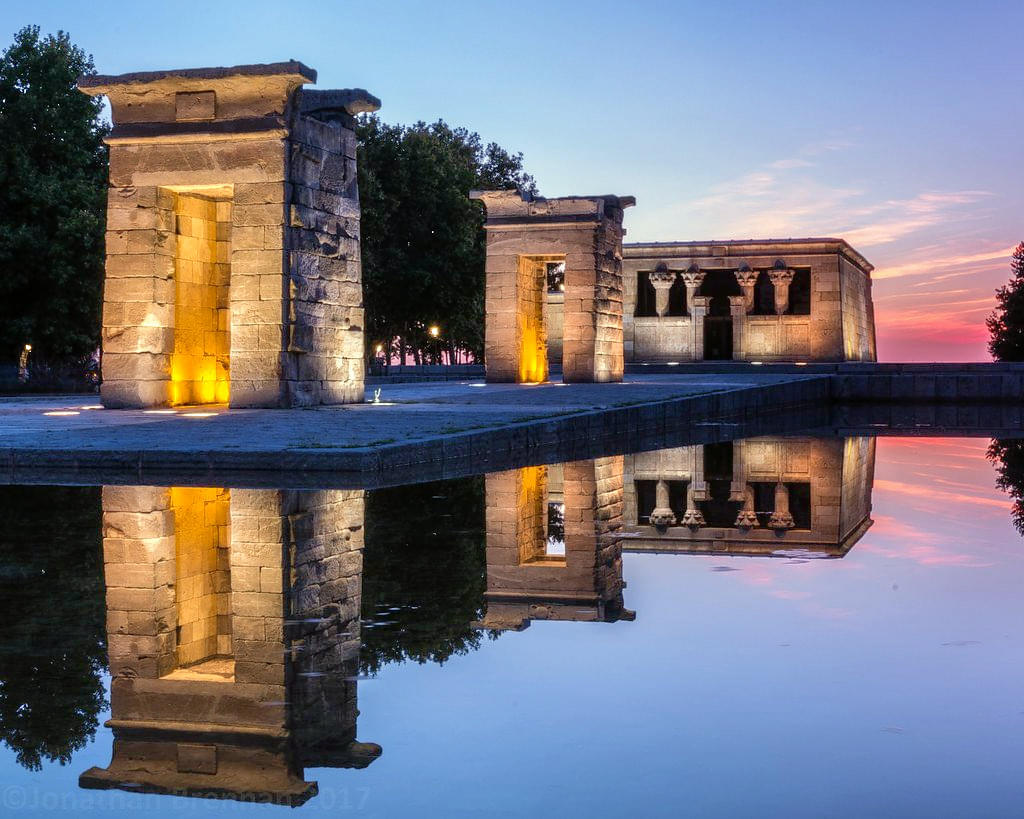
[553, 548]
[233, 628]
[761, 496]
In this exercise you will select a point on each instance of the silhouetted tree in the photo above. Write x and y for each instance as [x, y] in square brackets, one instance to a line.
[422, 237]
[424, 572]
[1006, 324]
[1007, 454]
[53, 187]
[53, 610]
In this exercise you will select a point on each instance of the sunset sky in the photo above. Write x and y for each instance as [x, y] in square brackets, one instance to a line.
[897, 126]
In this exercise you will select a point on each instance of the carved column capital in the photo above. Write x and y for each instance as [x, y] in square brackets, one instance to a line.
[781, 277]
[693, 518]
[747, 517]
[661, 280]
[746, 277]
[693, 278]
[780, 521]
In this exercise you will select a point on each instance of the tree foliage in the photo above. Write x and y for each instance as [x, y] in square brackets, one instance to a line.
[1007, 454]
[422, 237]
[52, 604]
[424, 572]
[1006, 324]
[53, 181]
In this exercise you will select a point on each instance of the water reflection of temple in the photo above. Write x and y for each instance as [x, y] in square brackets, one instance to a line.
[553, 544]
[760, 496]
[234, 634]
[556, 534]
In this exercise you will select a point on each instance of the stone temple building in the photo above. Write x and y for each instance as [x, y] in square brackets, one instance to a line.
[791, 300]
[564, 294]
[777, 300]
[233, 267]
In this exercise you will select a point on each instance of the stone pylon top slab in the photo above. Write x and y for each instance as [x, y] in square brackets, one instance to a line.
[100, 83]
[517, 207]
[193, 101]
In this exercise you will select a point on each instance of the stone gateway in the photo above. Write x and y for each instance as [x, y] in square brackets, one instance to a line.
[233, 267]
[532, 243]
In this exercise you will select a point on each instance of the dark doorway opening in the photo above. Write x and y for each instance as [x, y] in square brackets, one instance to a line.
[718, 285]
[717, 338]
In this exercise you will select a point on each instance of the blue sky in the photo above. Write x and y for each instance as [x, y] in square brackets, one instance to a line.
[896, 125]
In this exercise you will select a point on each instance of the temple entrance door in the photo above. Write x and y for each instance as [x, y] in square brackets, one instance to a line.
[717, 338]
[718, 286]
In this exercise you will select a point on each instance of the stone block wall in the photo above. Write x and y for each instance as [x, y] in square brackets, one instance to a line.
[325, 291]
[531, 335]
[858, 477]
[858, 314]
[200, 369]
[202, 573]
[139, 568]
[141, 305]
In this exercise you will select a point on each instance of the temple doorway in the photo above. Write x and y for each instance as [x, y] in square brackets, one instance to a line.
[718, 286]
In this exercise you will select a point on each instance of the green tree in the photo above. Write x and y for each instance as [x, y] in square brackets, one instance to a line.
[422, 237]
[1006, 324]
[424, 572]
[52, 605]
[53, 178]
[1007, 454]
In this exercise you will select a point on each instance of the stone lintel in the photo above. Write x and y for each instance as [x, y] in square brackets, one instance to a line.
[101, 83]
[740, 249]
[233, 129]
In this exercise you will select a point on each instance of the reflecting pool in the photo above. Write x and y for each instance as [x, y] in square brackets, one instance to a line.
[784, 626]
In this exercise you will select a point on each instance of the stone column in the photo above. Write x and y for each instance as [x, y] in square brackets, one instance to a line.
[698, 309]
[738, 311]
[738, 486]
[662, 515]
[781, 519]
[700, 486]
[747, 279]
[662, 281]
[693, 279]
[692, 517]
[781, 278]
[747, 517]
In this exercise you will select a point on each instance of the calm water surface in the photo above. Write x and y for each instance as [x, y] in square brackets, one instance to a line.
[527, 642]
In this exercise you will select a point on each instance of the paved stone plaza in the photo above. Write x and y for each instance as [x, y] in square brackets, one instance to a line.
[74, 430]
